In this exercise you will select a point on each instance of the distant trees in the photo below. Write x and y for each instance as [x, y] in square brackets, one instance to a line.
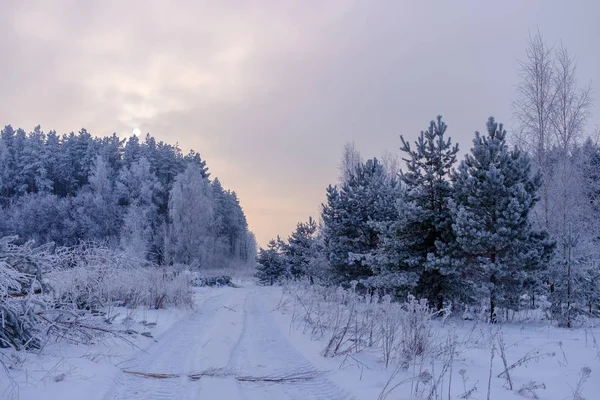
[144, 197]
[271, 264]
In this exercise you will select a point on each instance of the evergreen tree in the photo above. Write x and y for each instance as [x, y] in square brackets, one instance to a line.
[271, 266]
[299, 250]
[350, 217]
[423, 236]
[67, 188]
[494, 194]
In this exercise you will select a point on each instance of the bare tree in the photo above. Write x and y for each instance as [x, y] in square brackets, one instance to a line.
[533, 109]
[350, 160]
[571, 104]
[391, 163]
[571, 111]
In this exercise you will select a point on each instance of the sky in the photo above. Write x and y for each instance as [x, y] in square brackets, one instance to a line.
[268, 92]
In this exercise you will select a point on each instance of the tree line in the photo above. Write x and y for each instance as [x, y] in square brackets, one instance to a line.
[512, 226]
[144, 197]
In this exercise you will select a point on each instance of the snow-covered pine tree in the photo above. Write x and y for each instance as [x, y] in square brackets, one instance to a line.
[423, 235]
[270, 263]
[350, 220]
[299, 250]
[494, 193]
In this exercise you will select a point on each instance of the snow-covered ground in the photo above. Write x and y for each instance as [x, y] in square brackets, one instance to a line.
[238, 334]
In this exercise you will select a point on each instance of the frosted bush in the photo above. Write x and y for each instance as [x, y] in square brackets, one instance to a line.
[94, 288]
[417, 328]
[66, 291]
[352, 322]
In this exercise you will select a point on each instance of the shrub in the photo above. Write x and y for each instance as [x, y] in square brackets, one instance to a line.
[65, 290]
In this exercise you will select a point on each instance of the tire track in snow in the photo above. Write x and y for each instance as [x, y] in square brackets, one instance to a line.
[264, 350]
[235, 331]
[177, 352]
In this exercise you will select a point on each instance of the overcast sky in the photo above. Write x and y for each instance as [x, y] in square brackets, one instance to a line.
[269, 91]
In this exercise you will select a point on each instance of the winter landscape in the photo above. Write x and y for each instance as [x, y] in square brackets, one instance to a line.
[451, 256]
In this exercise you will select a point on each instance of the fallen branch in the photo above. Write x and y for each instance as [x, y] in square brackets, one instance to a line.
[294, 377]
[77, 324]
[152, 374]
[212, 372]
[224, 372]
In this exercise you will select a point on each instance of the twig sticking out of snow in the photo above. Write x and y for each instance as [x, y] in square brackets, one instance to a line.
[467, 392]
[595, 342]
[528, 389]
[493, 348]
[502, 347]
[345, 363]
[583, 376]
[533, 355]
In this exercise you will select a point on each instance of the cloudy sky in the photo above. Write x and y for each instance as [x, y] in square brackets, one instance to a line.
[269, 91]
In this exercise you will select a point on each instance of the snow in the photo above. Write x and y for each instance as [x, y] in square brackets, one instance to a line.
[237, 332]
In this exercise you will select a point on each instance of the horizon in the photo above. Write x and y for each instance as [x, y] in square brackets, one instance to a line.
[269, 94]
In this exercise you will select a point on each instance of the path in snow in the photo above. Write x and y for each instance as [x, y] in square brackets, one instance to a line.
[233, 330]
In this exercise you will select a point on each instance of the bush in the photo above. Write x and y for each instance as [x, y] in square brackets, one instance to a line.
[197, 280]
[20, 276]
[65, 291]
[351, 322]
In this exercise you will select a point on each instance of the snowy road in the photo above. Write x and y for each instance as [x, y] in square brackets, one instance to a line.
[235, 332]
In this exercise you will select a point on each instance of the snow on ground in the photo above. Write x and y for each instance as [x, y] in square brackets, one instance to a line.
[74, 371]
[557, 357]
[241, 333]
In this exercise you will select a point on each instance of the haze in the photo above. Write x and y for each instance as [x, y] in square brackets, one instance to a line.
[269, 92]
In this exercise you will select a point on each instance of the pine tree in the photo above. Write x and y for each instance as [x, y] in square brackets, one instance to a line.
[423, 233]
[270, 263]
[494, 194]
[350, 217]
[299, 250]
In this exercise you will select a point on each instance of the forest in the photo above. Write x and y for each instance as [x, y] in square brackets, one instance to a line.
[143, 197]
